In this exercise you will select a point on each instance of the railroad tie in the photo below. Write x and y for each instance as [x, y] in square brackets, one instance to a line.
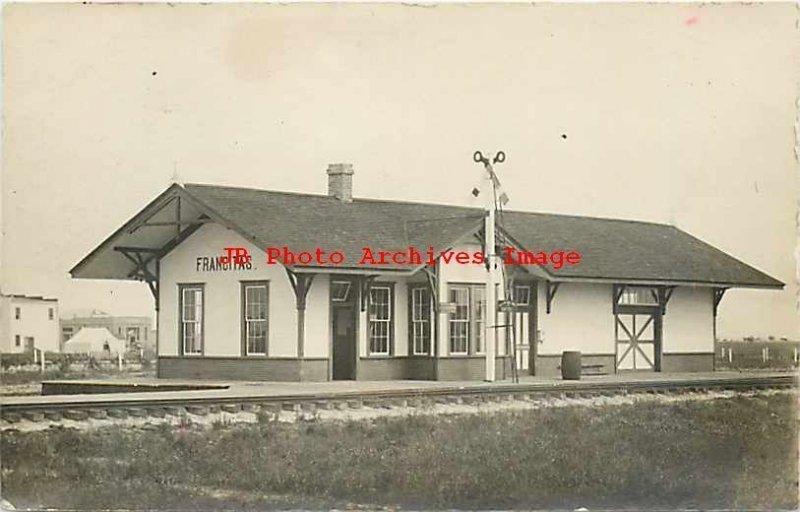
[12, 417]
[53, 415]
[290, 406]
[76, 414]
[97, 414]
[372, 403]
[340, 405]
[399, 402]
[197, 410]
[136, 412]
[414, 402]
[270, 408]
[323, 405]
[33, 415]
[117, 413]
[471, 400]
[156, 412]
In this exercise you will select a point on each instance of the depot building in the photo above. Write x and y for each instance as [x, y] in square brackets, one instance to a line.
[643, 297]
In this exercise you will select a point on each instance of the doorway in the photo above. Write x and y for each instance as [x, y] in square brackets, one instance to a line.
[524, 326]
[344, 319]
[637, 328]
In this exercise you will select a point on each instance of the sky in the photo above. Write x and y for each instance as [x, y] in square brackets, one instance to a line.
[681, 114]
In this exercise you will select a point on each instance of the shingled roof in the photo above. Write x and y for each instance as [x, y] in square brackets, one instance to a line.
[611, 250]
[624, 250]
[303, 222]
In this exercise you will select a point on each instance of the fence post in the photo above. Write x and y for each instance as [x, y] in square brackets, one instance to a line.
[795, 355]
[41, 352]
[119, 361]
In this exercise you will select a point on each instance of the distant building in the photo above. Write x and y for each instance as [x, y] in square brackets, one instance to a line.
[28, 322]
[97, 341]
[137, 331]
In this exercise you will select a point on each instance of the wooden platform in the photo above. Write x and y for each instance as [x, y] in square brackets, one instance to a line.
[164, 391]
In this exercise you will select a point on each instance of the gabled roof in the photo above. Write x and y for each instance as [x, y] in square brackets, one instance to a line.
[624, 250]
[611, 250]
[303, 222]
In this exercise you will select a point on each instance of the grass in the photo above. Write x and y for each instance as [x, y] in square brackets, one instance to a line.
[34, 376]
[736, 453]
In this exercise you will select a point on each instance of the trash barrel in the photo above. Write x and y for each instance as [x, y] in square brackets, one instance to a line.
[571, 365]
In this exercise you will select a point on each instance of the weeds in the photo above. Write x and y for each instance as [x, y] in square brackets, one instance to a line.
[727, 453]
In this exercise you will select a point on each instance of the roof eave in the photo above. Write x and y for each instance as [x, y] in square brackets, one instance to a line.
[161, 198]
[668, 282]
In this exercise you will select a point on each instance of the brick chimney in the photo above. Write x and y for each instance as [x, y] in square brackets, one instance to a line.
[340, 182]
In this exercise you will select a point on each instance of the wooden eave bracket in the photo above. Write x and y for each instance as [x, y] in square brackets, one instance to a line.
[178, 222]
[301, 284]
[718, 294]
[550, 292]
[663, 294]
[141, 271]
[430, 275]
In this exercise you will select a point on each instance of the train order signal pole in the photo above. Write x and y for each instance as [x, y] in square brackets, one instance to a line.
[490, 337]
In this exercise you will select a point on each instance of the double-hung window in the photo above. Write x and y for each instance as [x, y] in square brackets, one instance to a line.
[467, 322]
[420, 320]
[255, 317]
[381, 305]
[460, 320]
[191, 318]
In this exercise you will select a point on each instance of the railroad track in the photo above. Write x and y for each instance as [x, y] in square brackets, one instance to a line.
[79, 407]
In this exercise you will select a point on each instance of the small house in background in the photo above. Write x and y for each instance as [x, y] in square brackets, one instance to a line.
[136, 331]
[96, 341]
[28, 322]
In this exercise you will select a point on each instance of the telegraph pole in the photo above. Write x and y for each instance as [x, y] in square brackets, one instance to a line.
[490, 333]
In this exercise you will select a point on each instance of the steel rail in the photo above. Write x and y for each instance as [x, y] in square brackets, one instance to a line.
[574, 388]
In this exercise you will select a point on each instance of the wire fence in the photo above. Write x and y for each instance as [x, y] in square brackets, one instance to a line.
[757, 354]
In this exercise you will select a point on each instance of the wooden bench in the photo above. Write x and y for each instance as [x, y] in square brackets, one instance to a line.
[591, 369]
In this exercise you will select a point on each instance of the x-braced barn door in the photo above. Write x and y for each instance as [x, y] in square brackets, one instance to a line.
[638, 343]
[638, 314]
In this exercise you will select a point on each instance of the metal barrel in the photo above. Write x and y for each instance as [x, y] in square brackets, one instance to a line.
[571, 365]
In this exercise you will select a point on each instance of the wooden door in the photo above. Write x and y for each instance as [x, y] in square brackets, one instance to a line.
[638, 340]
[343, 328]
[522, 328]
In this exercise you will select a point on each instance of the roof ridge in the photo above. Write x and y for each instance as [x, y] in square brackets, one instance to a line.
[592, 217]
[355, 199]
[427, 203]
